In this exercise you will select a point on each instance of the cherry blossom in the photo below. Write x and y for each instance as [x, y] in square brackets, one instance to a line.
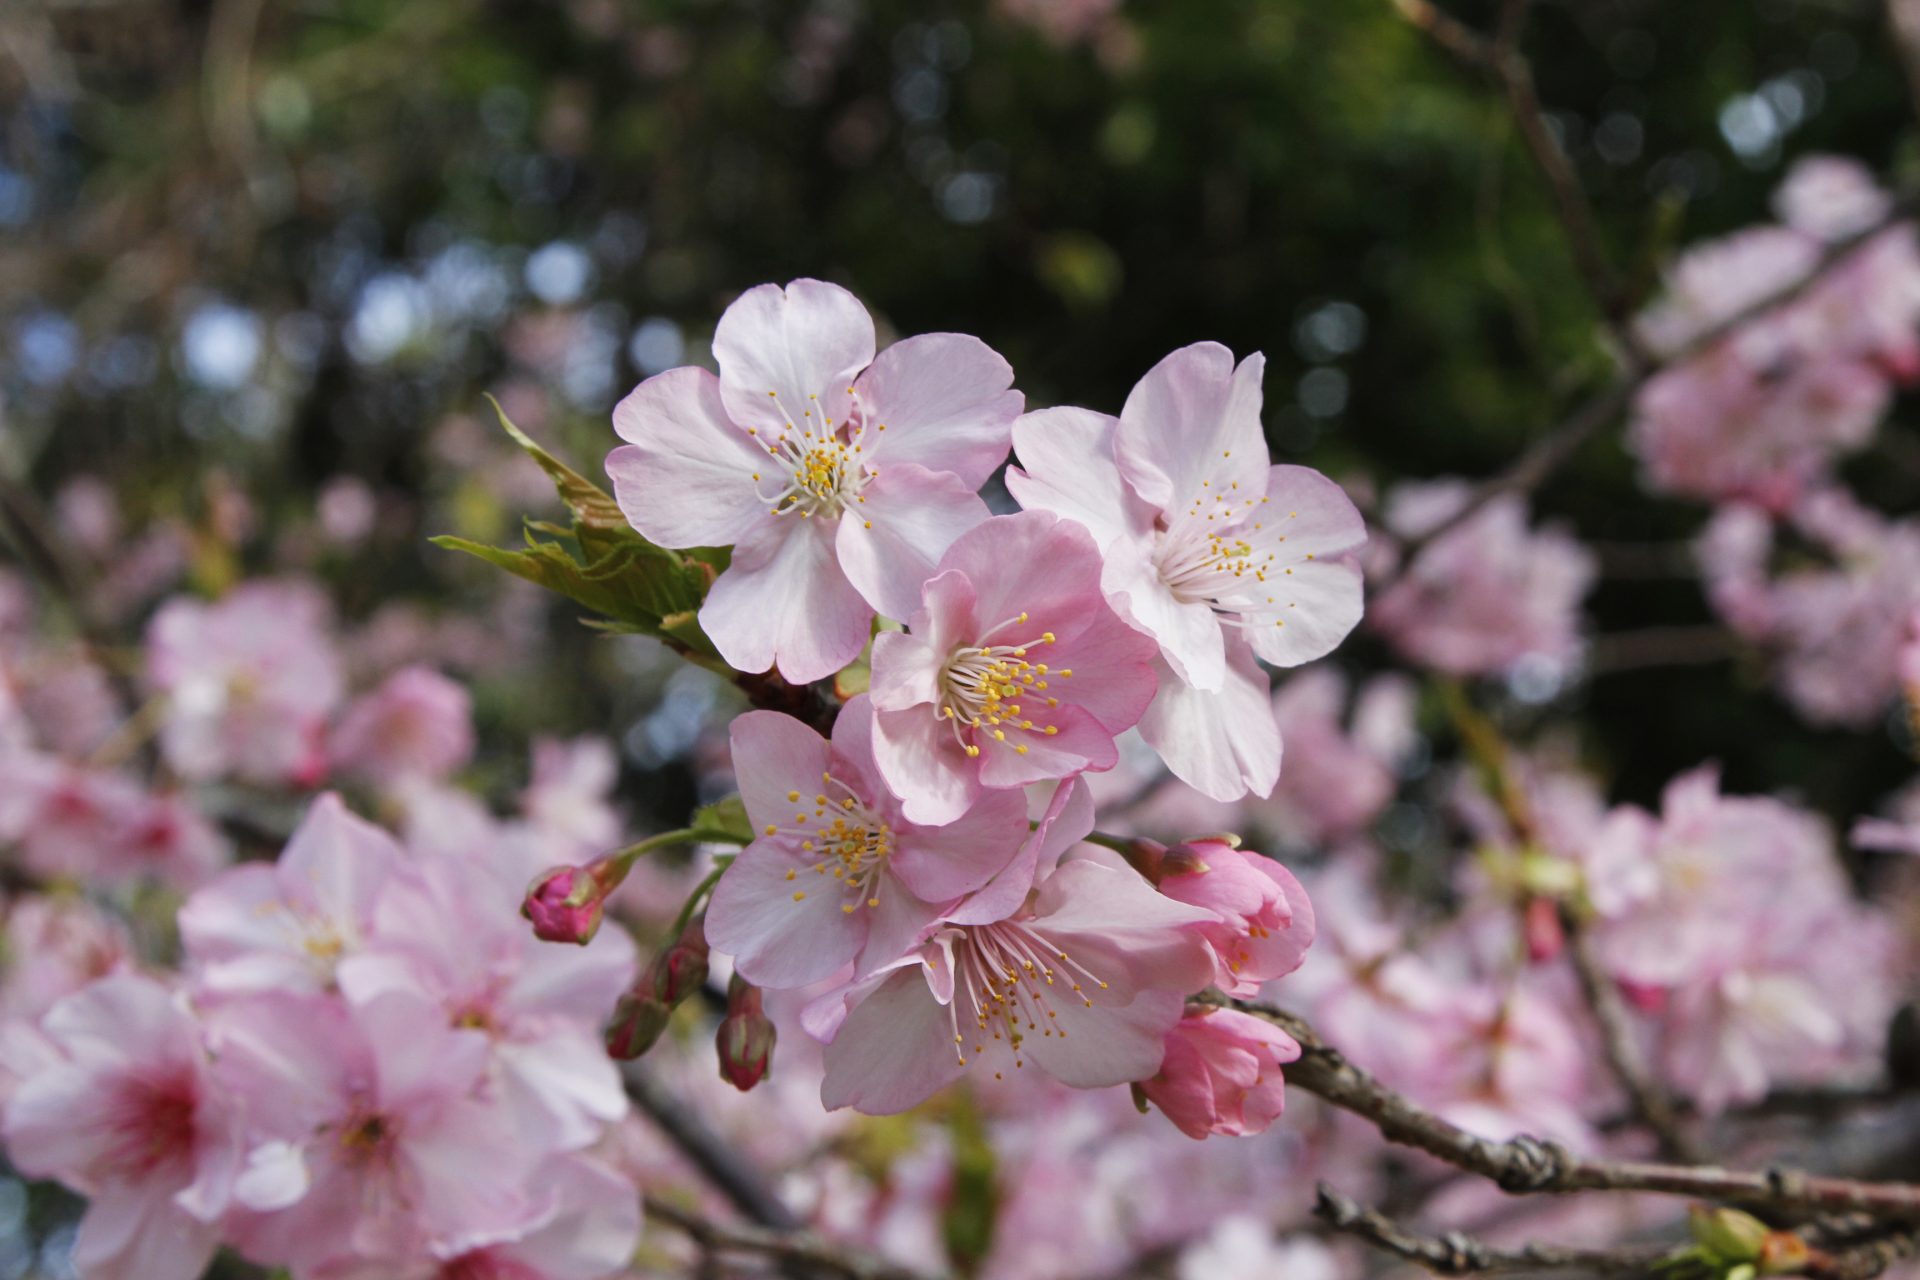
[417, 724]
[1219, 556]
[838, 477]
[837, 871]
[1014, 670]
[1221, 1073]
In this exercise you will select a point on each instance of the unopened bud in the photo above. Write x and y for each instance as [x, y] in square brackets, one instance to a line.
[566, 903]
[1727, 1235]
[681, 969]
[1546, 937]
[1783, 1253]
[643, 1013]
[746, 1037]
[638, 1021]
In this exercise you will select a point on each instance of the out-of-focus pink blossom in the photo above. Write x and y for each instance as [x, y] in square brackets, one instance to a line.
[1486, 593]
[55, 946]
[1015, 670]
[1837, 629]
[570, 794]
[1264, 922]
[836, 871]
[1241, 1247]
[249, 681]
[1763, 411]
[286, 926]
[1340, 772]
[1221, 1073]
[1736, 910]
[370, 1133]
[838, 477]
[64, 818]
[1216, 554]
[417, 724]
[130, 1117]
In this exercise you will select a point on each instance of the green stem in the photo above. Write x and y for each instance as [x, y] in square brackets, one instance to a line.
[668, 839]
[1106, 839]
[699, 894]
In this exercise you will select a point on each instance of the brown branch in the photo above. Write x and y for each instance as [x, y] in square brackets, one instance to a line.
[1693, 646]
[1650, 1101]
[1527, 1165]
[1455, 1254]
[724, 1168]
[798, 1250]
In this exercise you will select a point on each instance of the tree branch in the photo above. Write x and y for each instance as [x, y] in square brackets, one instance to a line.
[1526, 1165]
[795, 1249]
[730, 1175]
[1455, 1254]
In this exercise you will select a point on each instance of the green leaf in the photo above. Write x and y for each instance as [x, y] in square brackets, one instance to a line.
[595, 513]
[728, 815]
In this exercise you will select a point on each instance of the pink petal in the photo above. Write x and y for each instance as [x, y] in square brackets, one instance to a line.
[773, 755]
[1188, 631]
[1070, 470]
[1224, 744]
[685, 479]
[1191, 427]
[789, 356]
[891, 540]
[947, 404]
[133, 1231]
[1081, 745]
[894, 1051]
[785, 602]
[337, 862]
[1105, 1044]
[783, 930]
[924, 766]
[1068, 819]
[1313, 609]
[942, 863]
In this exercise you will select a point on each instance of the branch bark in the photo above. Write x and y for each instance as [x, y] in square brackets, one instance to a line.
[1527, 1165]
[1454, 1254]
[794, 1250]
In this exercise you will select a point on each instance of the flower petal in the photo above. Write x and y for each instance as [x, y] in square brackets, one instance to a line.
[891, 540]
[788, 357]
[1190, 429]
[785, 602]
[1224, 744]
[687, 476]
[946, 402]
[1070, 470]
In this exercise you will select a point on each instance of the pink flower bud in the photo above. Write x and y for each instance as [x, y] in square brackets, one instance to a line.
[565, 904]
[681, 969]
[1545, 937]
[1264, 922]
[746, 1037]
[1221, 1073]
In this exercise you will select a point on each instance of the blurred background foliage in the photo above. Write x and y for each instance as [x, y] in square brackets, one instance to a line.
[248, 247]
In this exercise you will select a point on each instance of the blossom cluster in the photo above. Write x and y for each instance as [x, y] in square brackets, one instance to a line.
[1158, 558]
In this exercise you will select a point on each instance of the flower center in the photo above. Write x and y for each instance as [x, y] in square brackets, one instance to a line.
[1006, 980]
[154, 1124]
[1209, 568]
[820, 460]
[848, 839]
[987, 689]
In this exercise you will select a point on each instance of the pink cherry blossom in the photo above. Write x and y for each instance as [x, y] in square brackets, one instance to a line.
[1014, 671]
[130, 1117]
[54, 947]
[571, 789]
[838, 477]
[65, 818]
[371, 1133]
[1736, 912]
[1341, 764]
[1486, 593]
[539, 1007]
[417, 724]
[286, 926]
[249, 681]
[1836, 628]
[1217, 555]
[1221, 1073]
[1763, 411]
[1082, 984]
[837, 871]
[1264, 922]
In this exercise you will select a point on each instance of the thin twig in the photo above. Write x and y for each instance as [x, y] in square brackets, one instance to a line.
[1649, 1100]
[798, 1249]
[1693, 646]
[1455, 1254]
[1548, 454]
[1525, 1165]
[730, 1174]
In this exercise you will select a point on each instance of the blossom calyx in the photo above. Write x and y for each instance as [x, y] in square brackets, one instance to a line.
[676, 973]
[746, 1037]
